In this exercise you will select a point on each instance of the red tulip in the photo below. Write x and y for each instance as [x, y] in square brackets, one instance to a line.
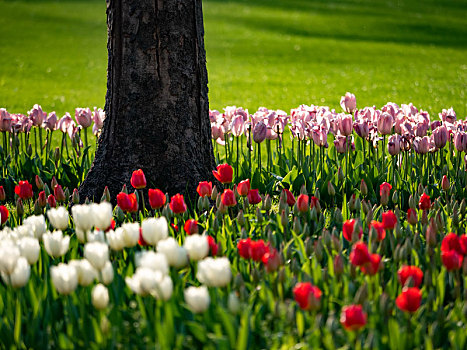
[314, 203]
[228, 198]
[24, 190]
[290, 197]
[156, 198]
[353, 317]
[213, 246]
[389, 220]
[59, 193]
[379, 227]
[42, 199]
[452, 260]
[348, 228]
[372, 267]
[138, 180]
[424, 203]
[302, 203]
[191, 226]
[51, 201]
[452, 242]
[445, 183]
[307, 296]
[410, 271]
[2, 194]
[258, 249]
[3, 214]
[412, 216]
[204, 189]
[359, 254]
[271, 260]
[243, 247]
[224, 173]
[124, 202]
[177, 204]
[384, 191]
[254, 197]
[243, 187]
[409, 300]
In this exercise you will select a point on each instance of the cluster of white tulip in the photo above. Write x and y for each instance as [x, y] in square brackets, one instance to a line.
[87, 216]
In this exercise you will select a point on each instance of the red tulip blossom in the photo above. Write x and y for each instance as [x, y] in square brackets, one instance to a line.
[452, 242]
[384, 191]
[59, 193]
[406, 272]
[379, 228]
[224, 173]
[228, 198]
[353, 317]
[138, 180]
[42, 199]
[24, 190]
[372, 267]
[359, 254]
[348, 228]
[191, 227]
[258, 249]
[127, 202]
[254, 197]
[389, 220]
[314, 203]
[243, 188]
[2, 194]
[289, 197]
[302, 203]
[177, 204]
[412, 216]
[156, 198]
[243, 247]
[51, 201]
[409, 300]
[307, 296]
[204, 189]
[3, 214]
[445, 183]
[424, 203]
[452, 260]
[271, 260]
[213, 246]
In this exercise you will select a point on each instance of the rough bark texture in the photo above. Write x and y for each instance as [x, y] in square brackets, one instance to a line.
[157, 99]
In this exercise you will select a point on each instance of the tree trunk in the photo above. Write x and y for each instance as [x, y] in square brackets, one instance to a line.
[157, 111]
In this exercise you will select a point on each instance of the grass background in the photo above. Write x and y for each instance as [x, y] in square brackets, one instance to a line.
[273, 53]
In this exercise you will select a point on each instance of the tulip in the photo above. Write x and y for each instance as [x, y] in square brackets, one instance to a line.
[213, 246]
[176, 256]
[409, 300]
[100, 297]
[389, 220]
[214, 272]
[440, 136]
[4, 213]
[385, 123]
[384, 191]
[97, 254]
[424, 203]
[338, 264]
[379, 228]
[345, 124]
[394, 144]
[353, 317]
[460, 141]
[302, 203]
[413, 272]
[373, 266]
[55, 243]
[197, 246]
[451, 259]
[289, 197]
[115, 239]
[106, 275]
[204, 189]
[51, 201]
[359, 254]
[20, 275]
[58, 218]
[348, 229]
[224, 173]
[83, 216]
[191, 226]
[2, 194]
[130, 234]
[37, 115]
[9, 255]
[258, 249]
[349, 103]
[307, 296]
[445, 183]
[64, 278]
[197, 298]
[24, 190]
[138, 180]
[228, 198]
[237, 126]
[152, 260]
[412, 216]
[244, 248]
[83, 117]
[177, 204]
[86, 272]
[259, 132]
[340, 143]
[271, 260]
[421, 144]
[29, 248]
[254, 197]
[361, 128]
[243, 187]
[147, 281]
[37, 225]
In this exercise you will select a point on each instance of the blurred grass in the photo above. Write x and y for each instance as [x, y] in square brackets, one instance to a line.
[273, 53]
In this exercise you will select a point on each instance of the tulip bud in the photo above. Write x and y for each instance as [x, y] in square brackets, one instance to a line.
[331, 189]
[445, 183]
[308, 246]
[340, 175]
[317, 194]
[338, 264]
[37, 208]
[363, 188]
[424, 217]
[313, 214]
[338, 216]
[238, 281]
[412, 202]
[398, 231]
[395, 197]
[200, 204]
[19, 207]
[241, 218]
[215, 225]
[462, 207]
[281, 276]
[218, 200]
[303, 190]
[214, 194]
[365, 207]
[267, 202]
[124, 189]
[297, 227]
[106, 194]
[206, 203]
[259, 215]
[336, 243]
[455, 218]
[416, 242]
[39, 183]
[319, 250]
[56, 155]
[75, 196]
[420, 189]
[351, 203]
[362, 294]
[67, 193]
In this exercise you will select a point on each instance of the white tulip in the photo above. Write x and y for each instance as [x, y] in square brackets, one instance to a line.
[115, 239]
[106, 275]
[86, 272]
[197, 298]
[153, 260]
[22, 231]
[146, 281]
[58, 217]
[95, 236]
[30, 249]
[38, 225]
[214, 272]
[100, 297]
[197, 246]
[102, 215]
[154, 230]
[130, 234]
[55, 243]
[83, 217]
[20, 275]
[9, 255]
[176, 256]
[97, 253]
[64, 278]
[233, 303]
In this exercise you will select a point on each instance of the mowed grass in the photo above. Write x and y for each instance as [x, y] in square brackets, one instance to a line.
[273, 53]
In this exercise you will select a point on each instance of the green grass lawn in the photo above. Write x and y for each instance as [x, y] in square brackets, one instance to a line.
[274, 53]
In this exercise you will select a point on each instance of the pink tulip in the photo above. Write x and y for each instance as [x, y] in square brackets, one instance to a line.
[238, 126]
[259, 132]
[5, 120]
[390, 108]
[37, 115]
[319, 136]
[394, 144]
[460, 141]
[385, 123]
[98, 117]
[421, 145]
[50, 122]
[345, 124]
[65, 122]
[409, 110]
[213, 115]
[270, 134]
[349, 102]
[448, 115]
[84, 117]
[339, 143]
[361, 128]
[440, 136]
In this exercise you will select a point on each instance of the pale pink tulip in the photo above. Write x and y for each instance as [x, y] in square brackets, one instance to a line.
[421, 145]
[394, 144]
[259, 132]
[65, 122]
[345, 124]
[448, 115]
[37, 115]
[440, 136]
[348, 102]
[5, 120]
[50, 122]
[385, 123]
[238, 125]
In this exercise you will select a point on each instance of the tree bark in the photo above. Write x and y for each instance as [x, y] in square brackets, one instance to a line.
[157, 111]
